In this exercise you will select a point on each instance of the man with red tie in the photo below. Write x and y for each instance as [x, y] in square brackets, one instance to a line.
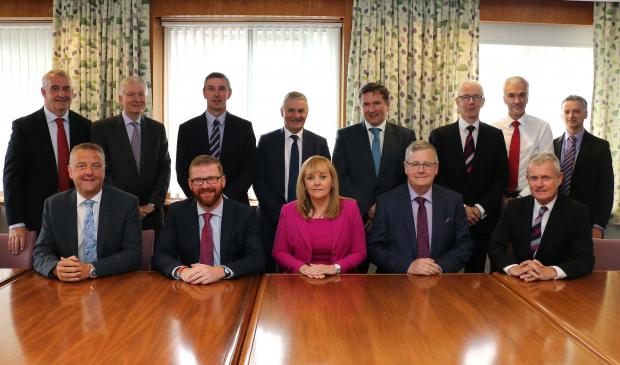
[525, 135]
[37, 158]
[208, 238]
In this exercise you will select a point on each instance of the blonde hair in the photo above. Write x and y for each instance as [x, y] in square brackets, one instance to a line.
[304, 204]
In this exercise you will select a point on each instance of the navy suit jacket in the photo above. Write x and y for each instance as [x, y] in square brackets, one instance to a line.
[178, 243]
[150, 184]
[489, 176]
[356, 170]
[119, 234]
[392, 241]
[566, 241]
[238, 153]
[593, 176]
[30, 171]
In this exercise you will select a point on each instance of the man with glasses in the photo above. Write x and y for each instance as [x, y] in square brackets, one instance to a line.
[208, 238]
[420, 228]
[473, 161]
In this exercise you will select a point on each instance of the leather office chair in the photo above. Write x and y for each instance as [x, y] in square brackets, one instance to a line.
[606, 254]
[148, 240]
[23, 260]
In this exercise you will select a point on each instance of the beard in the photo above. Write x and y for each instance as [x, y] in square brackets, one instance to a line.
[211, 198]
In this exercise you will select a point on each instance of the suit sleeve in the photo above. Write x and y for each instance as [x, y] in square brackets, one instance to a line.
[605, 197]
[581, 261]
[247, 158]
[267, 197]
[162, 179]
[500, 240]
[44, 255]
[282, 252]
[15, 176]
[183, 161]
[357, 235]
[347, 186]
[381, 247]
[253, 259]
[166, 253]
[455, 258]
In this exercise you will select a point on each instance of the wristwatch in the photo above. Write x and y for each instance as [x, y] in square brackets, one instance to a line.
[93, 273]
[337, 268]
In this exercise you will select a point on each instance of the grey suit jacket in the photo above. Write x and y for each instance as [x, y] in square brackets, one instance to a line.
[119, 237]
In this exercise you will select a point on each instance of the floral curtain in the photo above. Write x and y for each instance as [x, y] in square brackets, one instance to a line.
[421, 50]
[605, 117]
[99, 42]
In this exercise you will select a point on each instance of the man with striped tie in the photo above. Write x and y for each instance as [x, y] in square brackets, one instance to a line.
[544, 236]
[586, 164]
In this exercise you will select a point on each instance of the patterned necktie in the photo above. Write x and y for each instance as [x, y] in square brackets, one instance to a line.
[63, 155]
[376, 148]
[568, 164]
[513, 158]
[293, 170]
[469, 149]
[422, 230]
[537, 231]
[89, 234]
[214, 139]
[135, 143]
[206, 241]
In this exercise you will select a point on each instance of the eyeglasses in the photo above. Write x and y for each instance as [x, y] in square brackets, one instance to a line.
[470, 97]
[198, 181]
[424, 166]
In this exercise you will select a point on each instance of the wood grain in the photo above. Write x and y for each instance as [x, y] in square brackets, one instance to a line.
[537, 11]
[8, 275]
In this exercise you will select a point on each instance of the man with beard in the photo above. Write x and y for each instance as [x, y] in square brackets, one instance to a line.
[208, 238]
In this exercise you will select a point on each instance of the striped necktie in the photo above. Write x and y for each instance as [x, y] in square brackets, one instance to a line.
[214, 140]
[568, 164]
[537, 231]
[135, 143]
[469, 149]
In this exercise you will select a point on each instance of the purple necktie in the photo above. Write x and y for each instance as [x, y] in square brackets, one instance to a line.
[568, 164]
[206, 241]
[469, 149]
[537, 231]
[422, 230]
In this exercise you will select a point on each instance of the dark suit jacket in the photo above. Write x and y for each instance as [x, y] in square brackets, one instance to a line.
[566, 242]
[356, 170]
[150, 184]
[269, 186]
[119, 237]
[238, 153]
[489, 176]
[30, 172]
[593, 176]
[178, 243]
[392, 241]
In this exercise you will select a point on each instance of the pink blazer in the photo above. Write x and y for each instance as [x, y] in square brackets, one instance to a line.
[292, 247]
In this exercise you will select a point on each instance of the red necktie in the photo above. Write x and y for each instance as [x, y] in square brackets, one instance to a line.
[206, 241]
[63, 156]
[513, 158]
[422, 230]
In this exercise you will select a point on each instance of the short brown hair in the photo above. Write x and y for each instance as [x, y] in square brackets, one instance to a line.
[304, 205]
[217, 75]
[206, 160]
[87, 146]
[373, 87]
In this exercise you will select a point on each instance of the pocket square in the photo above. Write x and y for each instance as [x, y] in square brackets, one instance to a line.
[448, 220]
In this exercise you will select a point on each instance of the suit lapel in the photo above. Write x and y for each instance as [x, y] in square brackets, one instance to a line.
[362, 146]
[405, 208]
[584, 151]
[190, 215]
[228, 143]
[552, 225]
[438, 216]
[557, 146]
[105, 213]
[119, 134]
[228, 221]
[278, 159]
[525, 231]
[454, 139]
[71, 228]
[48, 148]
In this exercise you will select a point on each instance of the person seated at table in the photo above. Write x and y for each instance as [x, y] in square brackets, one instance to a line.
[550, 234]
[320, 233]
[208, 237]
[91, 231]
[420, 228]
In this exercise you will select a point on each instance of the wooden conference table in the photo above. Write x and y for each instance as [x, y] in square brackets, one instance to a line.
[8, 275]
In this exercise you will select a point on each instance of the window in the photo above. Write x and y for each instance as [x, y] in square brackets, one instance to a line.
[25, 55]
[557, 61]
[263, 62]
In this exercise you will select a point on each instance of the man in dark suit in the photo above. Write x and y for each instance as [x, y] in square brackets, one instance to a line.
[420, 228]
[208, 238]
[473, 162]
[546, 235]
[92, 230]
[222, 135]
[275, 179]
[136, 150]
[37, 157]
[368, 156]
[586, 164]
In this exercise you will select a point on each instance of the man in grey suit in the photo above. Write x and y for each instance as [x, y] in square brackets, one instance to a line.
[92, 230]
[136, 151]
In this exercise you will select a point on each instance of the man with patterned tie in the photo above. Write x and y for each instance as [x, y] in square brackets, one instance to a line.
[546, 235]
[279, 155]
[218, 133]
[136, 151]
[90, 231]
[473, 162]
[208, 237]
[586, 164]
[420, 228]
[524, 135]
[37, 157]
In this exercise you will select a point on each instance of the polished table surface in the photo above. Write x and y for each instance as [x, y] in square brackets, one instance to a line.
[8, 275]
[588, 307]
[400, 319]
[134, 318]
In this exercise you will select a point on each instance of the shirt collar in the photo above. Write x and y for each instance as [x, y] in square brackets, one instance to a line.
[428, 195]
[51, 117]
[578, 135]
[380, 126]
[217, 211]
[128, 119]
[288, 133]
[211, 118]
[463, 125]
[549, 205]
[81, 199]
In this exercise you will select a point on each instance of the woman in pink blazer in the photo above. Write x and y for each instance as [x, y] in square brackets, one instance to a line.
[321, 233]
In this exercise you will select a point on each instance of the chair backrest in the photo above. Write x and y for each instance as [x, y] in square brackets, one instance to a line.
[23, 260]
[148, 240]
[607, 254]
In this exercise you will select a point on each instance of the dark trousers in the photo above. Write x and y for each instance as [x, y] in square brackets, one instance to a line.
[478, 257]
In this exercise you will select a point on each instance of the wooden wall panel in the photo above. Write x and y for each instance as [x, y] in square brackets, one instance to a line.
[25, 8]
[537, 11]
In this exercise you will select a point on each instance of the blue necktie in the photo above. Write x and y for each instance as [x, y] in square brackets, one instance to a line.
[293, 170]
[89, 235]
[376, 148]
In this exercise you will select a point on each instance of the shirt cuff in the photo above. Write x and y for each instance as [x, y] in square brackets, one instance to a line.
[17, 225]
[507, 268]
[175, 272]
[599, 227]
[232, 273]
[483, 213]
[560, 273]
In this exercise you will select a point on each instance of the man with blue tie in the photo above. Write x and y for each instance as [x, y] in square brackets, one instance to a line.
[92, 230]
[280, 153]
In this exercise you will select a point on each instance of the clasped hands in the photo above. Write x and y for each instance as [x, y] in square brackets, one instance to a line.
[71, 269]
[317, 271]
[532, 270]
[425, 266]
[202, 274]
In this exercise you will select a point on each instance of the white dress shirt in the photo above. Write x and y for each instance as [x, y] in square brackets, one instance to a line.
[288, 142]
[81, 217]
[381, 133]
